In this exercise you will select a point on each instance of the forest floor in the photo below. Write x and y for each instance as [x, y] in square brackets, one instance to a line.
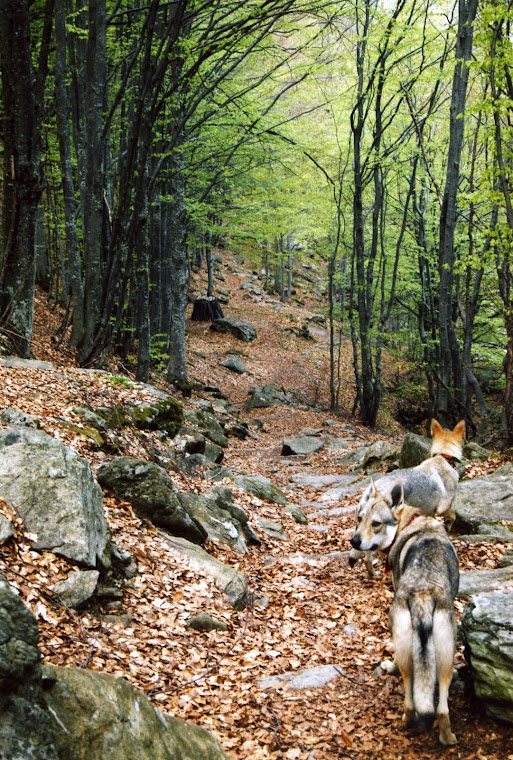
[315, 609]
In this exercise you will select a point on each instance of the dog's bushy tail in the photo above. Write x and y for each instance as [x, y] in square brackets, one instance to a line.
[422, 609]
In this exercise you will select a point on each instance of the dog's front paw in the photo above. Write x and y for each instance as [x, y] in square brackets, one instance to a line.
[390, 667]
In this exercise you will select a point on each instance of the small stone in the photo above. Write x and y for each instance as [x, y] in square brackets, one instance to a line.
[204, 622]
[78, 587]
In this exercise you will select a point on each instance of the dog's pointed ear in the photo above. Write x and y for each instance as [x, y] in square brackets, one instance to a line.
[460, 429]
[397, 495]
[436, 428]
[367, 493]
[374, 490]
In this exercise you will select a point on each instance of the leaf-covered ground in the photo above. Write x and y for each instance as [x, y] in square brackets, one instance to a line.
[310, 609]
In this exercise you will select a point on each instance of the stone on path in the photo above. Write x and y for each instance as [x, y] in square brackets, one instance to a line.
[302, 445]
[261, 487]
[240, 329]
[311, 678]
[77, 588]
[232, 582]
[484, 500]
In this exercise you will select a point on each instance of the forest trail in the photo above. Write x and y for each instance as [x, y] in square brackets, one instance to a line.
[310, 609]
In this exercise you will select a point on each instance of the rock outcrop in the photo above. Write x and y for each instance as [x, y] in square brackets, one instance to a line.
[237, 327]
[151, 492]
[487, 500]
[26, 732]
[487, 627]
[53, 489]
[97, 715]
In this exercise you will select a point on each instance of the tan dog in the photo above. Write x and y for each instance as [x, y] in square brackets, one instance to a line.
[426, 576]
[431, 486]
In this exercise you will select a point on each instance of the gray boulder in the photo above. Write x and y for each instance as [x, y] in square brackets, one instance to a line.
[483, 501]
[238, 328]
[16, 418]
[353, 458]
[18, 363]
[478, 581]
[260, 398]
[97, 715]
[202, 621]
[297, 513]
[78, 587]
[233, 363]
[53, 489]
[414, 450]
[166, 414]
[261, 487]
[302, 445]
[6, 530]
[269, 395]
[152, 493]
[220, 517]
[487, 627]
[90, 418]
[26, 732]
[476, 453]
[207, 424]
[272, 528]
[380, 453]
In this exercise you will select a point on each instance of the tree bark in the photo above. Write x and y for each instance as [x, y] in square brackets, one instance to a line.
[177, 368]
[72, 257]
[92, 195]
[22, 94]
[450, 378]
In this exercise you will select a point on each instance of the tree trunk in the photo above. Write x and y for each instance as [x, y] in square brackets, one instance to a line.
[177, 369]
[23, 101]
[72, 258]
[450, 379]
[92, 197]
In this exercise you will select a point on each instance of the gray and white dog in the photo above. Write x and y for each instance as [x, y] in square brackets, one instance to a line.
[425, 575]
[431, 486]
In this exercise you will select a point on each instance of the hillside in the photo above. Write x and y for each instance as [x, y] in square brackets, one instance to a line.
[310, 608]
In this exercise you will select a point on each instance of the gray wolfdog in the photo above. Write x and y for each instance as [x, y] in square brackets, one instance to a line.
[425, 575]
[431, 486]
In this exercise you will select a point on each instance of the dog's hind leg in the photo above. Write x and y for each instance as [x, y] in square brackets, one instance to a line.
[443, 633]
[402, 636]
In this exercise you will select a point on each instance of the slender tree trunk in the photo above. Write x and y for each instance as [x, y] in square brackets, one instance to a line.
[22, 95]
[92, 196]
[450, 383]
[177, 369]
[68, 188]
[210, 265]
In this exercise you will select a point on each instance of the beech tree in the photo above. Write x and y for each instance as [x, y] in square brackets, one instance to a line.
[23, 182]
